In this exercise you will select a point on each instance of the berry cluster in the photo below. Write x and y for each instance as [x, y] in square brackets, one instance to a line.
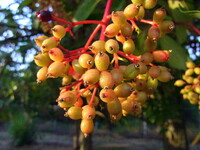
[191, 83]
[95, 76]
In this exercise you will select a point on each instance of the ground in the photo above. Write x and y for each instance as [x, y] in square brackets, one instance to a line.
[102, 140]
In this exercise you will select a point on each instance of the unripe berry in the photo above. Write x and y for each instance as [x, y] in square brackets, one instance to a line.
[102, 61]
[114, 107]
[165, 76]
[58, 31]
[66, 79]
[40, 39]
[179, 83]
[137, 2]
[86, 61]
[146, 58]
[118, 17]
[42, 59]
[123, 90]
[154, 71]
[190, 64]
[117, 76]
[112, 30]
[129, 46]
[141, 13]
[159, 15]
[48, 44]
[126, 30]
[111, 46]
[131, 10]
[42, 74]
[149, 4]
[77, 67]
[97, 46]
[131, 71]
[197, 70]
[56, 54]
[150, 44]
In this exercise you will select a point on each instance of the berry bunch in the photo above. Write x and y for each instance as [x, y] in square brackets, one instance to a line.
[94, 76]
[191, 83]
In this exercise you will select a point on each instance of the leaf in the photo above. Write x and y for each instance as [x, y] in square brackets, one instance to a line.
[85, 9]
[181, 34]
[178, 56]
[25, 3]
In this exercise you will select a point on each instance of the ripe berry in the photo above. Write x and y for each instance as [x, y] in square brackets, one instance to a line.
[179, 83]
[56, 69]
[106, 80]
[56, 54]
[44, 16]
[146, 58]
[111, 46]
[141, 13]
[66, 79]
[88, 112]
[112, 30]
[118, 17]
[107, 95]
[86, 61]
[48, 44]
[42, 59]
[131, 10]
[58, 31]
[91, 76]
[40, 39]
[95, 101]
[97, 46]
[66, 99]
[154, 33]
[149, 44]
[42, 74]
[117, 76]
[154, 71]
[102, 61]
[149, 4]
[74, 113]
[87, 126]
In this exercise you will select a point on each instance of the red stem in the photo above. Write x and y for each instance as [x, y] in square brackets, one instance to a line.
[88, 22]
[132, 58]
[61, 20]
[116, 60]
[62, 48]
[89, 41]
[148, 22]
[105, 19]
[75, 83]
[93, 95]
[191, 26]
[79, 94]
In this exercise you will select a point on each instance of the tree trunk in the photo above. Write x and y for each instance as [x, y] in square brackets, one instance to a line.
[85, 142]
[76, 144]
[175, 137]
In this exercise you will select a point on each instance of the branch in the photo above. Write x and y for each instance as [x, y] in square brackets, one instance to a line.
[191, 26]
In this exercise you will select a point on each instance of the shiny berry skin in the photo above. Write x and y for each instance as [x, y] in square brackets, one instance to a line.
[44, 15]
[58, 31]
[102, 61]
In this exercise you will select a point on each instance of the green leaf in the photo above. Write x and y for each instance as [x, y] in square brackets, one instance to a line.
[85, 9]
[178, 56]
[181, 34]
[25, 3]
